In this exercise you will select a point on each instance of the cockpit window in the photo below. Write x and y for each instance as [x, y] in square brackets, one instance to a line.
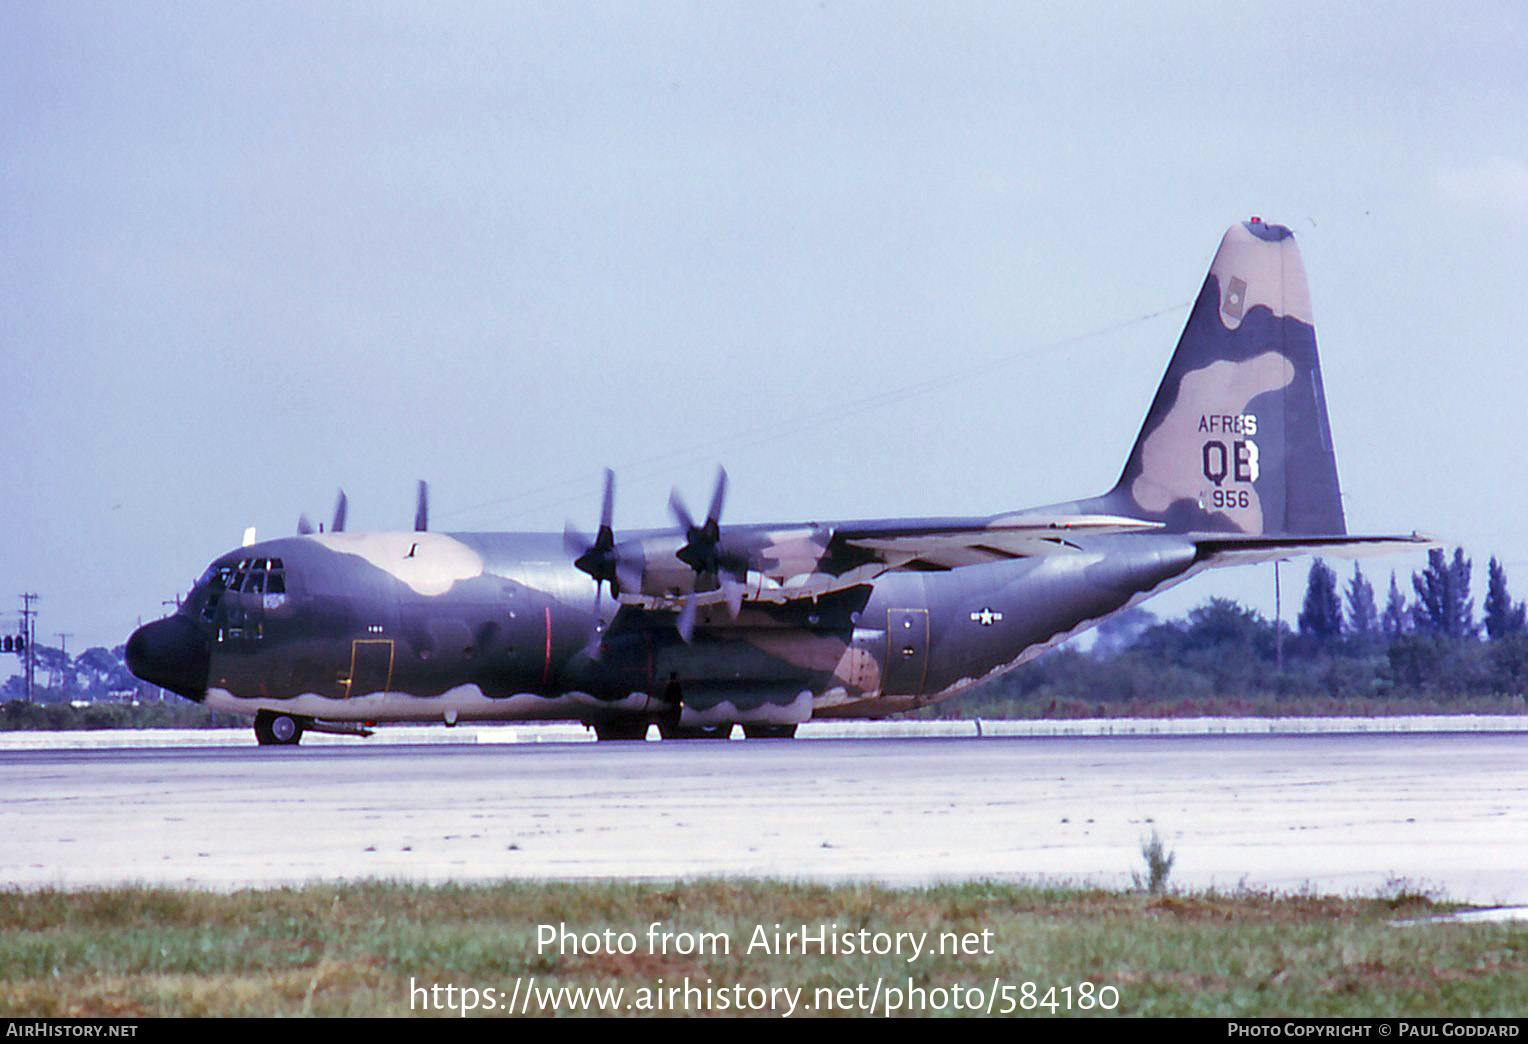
[216, 577]
[265, 575]
[251, 576]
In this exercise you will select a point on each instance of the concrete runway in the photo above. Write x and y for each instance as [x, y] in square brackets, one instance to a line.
[1335, 813]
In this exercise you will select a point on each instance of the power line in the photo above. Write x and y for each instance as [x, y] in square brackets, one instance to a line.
[649, 467]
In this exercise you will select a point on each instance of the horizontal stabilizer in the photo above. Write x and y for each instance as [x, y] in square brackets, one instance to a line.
[1238, 549]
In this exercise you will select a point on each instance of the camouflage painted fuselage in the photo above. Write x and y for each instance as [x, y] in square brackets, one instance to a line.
[501, 629]
[773, 625]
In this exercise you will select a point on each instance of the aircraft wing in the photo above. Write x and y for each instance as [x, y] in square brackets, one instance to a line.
[858, 552]
[938, 544]
[810, 561]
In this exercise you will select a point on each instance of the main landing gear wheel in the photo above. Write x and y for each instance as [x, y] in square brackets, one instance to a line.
[769, 731]
[620, 730]
[277, 730]
[695, 731]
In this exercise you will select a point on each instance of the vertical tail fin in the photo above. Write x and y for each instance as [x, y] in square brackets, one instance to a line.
[1237, 439]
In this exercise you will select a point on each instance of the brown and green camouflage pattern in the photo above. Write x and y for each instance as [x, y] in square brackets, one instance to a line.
[772, 625]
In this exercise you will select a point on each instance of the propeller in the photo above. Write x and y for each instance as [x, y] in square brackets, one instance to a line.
[342, 506]
[703, 553]
[305, 527]
[600, 557]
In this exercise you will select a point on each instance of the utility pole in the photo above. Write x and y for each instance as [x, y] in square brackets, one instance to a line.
[1278, 622]
[29, 629]
[63, 652]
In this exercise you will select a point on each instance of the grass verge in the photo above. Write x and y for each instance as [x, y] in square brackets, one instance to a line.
[357, 949]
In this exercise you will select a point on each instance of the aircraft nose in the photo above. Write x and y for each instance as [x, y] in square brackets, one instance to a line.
[173, 654]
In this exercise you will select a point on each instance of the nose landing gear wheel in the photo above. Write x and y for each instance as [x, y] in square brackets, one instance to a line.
[695, 731]
[620, 730]
[277, 730]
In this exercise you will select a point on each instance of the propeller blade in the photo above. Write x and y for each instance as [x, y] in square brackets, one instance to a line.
[422, 508]
[597, 630]
[607, 509]
[681, 513]
[628, 575]
[574, 542]
[339, 513]
[715, 514]
[734, 593]
[686, 623]
[304, 527]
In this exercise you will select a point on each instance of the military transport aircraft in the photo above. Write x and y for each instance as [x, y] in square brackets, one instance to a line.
[708, 626]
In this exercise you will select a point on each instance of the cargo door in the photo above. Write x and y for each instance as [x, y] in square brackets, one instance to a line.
[371, 666]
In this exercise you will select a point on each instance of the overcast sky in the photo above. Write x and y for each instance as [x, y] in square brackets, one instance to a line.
[250, 253]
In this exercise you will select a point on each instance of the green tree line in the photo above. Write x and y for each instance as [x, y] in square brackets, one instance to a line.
[95, 690]
[1347, 654]
[97, 674]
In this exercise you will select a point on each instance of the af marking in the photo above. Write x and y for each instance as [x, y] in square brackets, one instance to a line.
[1228, 424]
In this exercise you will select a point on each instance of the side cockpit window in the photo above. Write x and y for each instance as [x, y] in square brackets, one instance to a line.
[216, 580]
[259, 577]
[216, 577]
